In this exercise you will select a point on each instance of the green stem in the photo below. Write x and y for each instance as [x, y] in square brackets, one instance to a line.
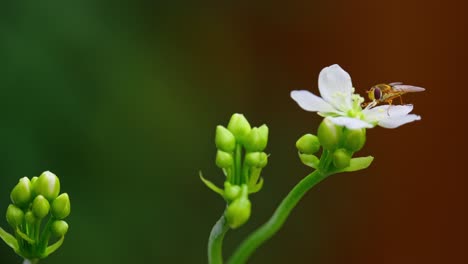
[238, 164]
[215, 242]
[45, 236]
[277, 220]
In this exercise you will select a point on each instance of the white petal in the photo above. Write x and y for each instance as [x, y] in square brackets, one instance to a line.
[349, 122]
[399, 110]
[336, 87]
[310, 102]
[386, 111]
[393, 122]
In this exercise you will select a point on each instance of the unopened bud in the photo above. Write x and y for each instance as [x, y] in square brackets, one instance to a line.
[224, 159]
[21, 193]
[33, 185]
[354, 139]
[30, 218]
[61, 206]
[14, 216]
[40, 207]
[238, 211]
[341, 158]
[231, 192]
[224, 139]
[308, 144]
[239, 126]
[59, 228]
[329, 134]
[48, 185]
[257, 139]
[256, 159]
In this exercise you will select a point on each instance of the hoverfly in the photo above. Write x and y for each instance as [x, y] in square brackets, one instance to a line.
[386, 93]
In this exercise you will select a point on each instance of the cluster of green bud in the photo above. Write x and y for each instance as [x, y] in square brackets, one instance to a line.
[340, 142]
[35, 201]
[241, 156]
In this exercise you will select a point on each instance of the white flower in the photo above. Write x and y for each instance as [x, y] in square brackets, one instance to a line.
[343, 107]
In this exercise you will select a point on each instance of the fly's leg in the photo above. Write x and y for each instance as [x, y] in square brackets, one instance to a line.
[389, 105]
[368, 105]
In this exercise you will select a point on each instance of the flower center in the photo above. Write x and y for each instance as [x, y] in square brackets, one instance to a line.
[356, 111]
[353, 113]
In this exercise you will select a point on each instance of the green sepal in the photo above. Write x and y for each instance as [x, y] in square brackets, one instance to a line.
[257, 187]
[52, 248]
[9, 239]
[357, 164]
[211, 185]
[309, 160]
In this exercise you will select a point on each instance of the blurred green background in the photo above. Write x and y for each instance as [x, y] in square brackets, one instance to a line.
[120, 99]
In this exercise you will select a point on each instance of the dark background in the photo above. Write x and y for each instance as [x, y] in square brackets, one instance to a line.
[120, 99]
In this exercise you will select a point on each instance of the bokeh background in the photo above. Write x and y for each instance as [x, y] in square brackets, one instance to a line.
[120, 99]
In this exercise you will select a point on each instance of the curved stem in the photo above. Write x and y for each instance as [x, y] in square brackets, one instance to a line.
[278, 218]
[215, 242]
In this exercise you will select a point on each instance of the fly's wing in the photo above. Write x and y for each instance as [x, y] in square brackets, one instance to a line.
[395, 83]
[407, 88]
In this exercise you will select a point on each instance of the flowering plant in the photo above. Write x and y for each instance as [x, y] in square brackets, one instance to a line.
[36, 201]
[340, 135]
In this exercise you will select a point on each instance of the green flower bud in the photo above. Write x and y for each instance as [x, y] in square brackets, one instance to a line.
[257, 139]
[238, 212]
[33, 185]
[341, 158]
[308, 144]
[354, 139]
[329, 134]
[61, 206]
[59, 228]
[224, 159]
[14, 216]
[256, 159]
[21, 193]
[30, 218]
[224, 139]
[231, 192]
[239, 126]
[40, 207]
[48, 185]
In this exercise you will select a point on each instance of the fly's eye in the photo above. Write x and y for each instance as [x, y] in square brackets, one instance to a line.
[377, 94]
